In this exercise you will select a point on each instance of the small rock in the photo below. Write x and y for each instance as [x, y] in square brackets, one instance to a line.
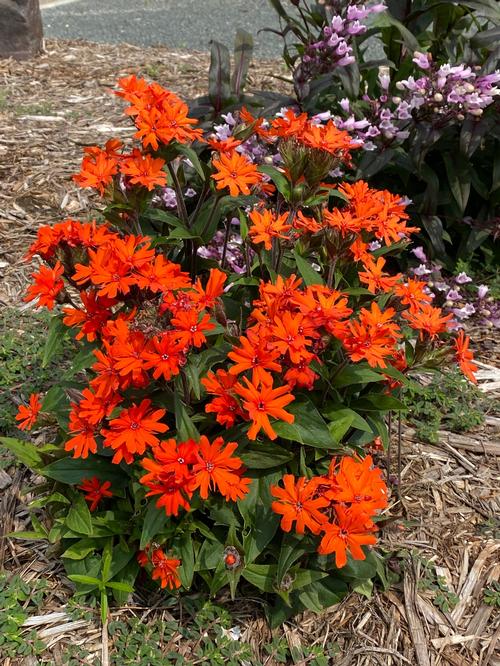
[21, 29]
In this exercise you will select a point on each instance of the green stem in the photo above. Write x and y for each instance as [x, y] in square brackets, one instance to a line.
[181, 204]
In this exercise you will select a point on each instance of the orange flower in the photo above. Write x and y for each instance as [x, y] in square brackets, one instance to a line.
[97, 170]
[266, 226]
[297, 502]
[373, 337]
[427, 319]
[94, 408]
[166, 569]
[465, 357]
[253, 355]
[329, 138]
[206, 298]
[144, 170]
[236, 172]
[289, 335]
[174, 491]
[225, 405]
[95, 491]
[170, 476]
[84, 433]
[289, 124]
[347, 534]
[28, 414]
[91, 317]
[166, 123]
[374, 276]
[133, 430]
[357, 483]
[189, 328]
[166, 356]
[48, 284]
[263, 401]
[217, 468]
[412, 293]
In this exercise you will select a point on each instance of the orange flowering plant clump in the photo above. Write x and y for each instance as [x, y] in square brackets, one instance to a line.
[239, 341]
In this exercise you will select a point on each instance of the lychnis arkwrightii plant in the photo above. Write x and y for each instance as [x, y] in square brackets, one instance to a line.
[213, 431]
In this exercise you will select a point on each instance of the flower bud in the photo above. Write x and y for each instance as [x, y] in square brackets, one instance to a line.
[476, 112]
[460, 116]
[396, 100]
[438, 97]
[232, 558]
[400, 86]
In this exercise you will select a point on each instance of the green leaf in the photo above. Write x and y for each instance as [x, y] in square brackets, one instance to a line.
[307, 272]
[154, 521]
[279, 179]
[183, 423]
[303, 577]
[265, 455]
[356, 374]
[376, 402]
[56, 334]
[84, 359]
[79, 519]
[262, 576]
[192, 156]
[55, 400]
[334, 413]
[322, 594]
[309, 427]
[84, 580]
[24, 451]
[183, 546]
[80, 549]
[74, 470]
[122, 587]
[53, 498]
[459, 178]
[292, 548]
[340, 426]
[386, 20]
[31, 535]
[434, 228]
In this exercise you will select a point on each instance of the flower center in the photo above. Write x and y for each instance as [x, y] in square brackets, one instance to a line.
[209, 467]
[181, 461]
[193, 328]
[134, 425]
[234, 175]
[165, 357]
[261, 406]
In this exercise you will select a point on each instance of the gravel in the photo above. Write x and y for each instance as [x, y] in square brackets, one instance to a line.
[183, 24]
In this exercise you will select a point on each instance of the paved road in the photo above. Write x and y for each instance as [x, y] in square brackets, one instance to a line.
[187, 24]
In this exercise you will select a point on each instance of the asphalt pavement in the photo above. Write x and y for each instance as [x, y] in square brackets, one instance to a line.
[185, 24]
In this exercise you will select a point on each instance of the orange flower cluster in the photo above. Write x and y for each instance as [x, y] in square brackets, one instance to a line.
[100, 166]
[165, 569]
[177, 469]
[339, 506]
[95, 491]
[285, 333]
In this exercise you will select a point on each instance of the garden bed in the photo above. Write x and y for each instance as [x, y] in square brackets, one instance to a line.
[443, 524]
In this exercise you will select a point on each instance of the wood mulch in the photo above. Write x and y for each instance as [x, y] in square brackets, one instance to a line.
[448, 504]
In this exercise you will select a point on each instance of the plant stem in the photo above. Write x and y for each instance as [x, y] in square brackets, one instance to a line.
[226, 241]
[181, 204]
